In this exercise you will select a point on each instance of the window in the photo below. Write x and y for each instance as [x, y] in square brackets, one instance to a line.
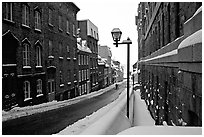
[9, 11]
[39, 87]
[51, 85]
[60, 22]
[79, 90]
[50, 48]
[87, 74]
[75, 74]
[91, 32]
[79, 60]
[84, 58]
[26, 54]
[69, 75]
[79, 76]
[50, 16]
[37, 20]
[25, 15]
[68, 51]
[26, 88]
[38, 56]
[67, 48]
[74, 30]
[67, 26]
[74, 52]
[60, 49]
[61, 77]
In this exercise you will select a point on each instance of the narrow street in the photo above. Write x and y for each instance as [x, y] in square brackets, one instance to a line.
[53, 121]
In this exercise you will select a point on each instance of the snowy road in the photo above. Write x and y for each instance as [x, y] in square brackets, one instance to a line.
[53, 121]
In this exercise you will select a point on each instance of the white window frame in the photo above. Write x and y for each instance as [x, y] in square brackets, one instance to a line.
[50, 46]
[74, 30]
[79, 76]
[26, 89]
[67, 27]
[79, 60]
[37, 20]
[60, 22]
[26, 54]
[9, 11]
[50, 16]
[39, 88]
[38, 56]
[52, 85]
[26, 15]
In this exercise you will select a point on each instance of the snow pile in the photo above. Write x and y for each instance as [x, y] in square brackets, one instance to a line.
[81, 125]
[162, 130]
[29, 110]
[142, 116]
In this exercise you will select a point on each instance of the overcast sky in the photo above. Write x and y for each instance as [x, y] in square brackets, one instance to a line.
[109, 14]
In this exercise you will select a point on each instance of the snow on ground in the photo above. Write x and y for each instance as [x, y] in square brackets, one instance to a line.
[29, 110]
[162, 130]
[81, 125]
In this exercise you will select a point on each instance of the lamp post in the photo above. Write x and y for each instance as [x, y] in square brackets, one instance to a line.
[116, 34]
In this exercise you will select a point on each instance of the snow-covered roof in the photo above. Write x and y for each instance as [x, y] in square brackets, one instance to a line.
[192, 39]
[171, 53]
[198, 11]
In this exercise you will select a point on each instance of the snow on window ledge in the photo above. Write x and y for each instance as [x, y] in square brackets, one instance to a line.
[69, 83]
[26, 26]
[50, 57]
[39, 95]
[27, 67]
[61, 57]
[26, 99]
[61, 85]
[38, 30]
[38, 66]
[10, 21]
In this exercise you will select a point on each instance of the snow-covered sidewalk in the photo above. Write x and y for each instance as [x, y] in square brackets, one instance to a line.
[29, 110]
[81, 125]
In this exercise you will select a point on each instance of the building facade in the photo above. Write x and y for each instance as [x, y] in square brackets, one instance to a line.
[119, 71]
[102, 73]
[34, 40]
[84, 69]
[89, 32]
[105, 52]
[170, 64]
[61, 50]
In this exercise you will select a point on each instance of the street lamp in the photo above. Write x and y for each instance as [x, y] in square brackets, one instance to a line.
[116, 34]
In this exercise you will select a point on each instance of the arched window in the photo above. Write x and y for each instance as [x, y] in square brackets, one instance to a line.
[38, 56]
[39, 87]
[26, 88]
[26, 54]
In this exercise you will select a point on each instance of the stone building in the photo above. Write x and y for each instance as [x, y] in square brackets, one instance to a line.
[89, 33]
[170, 60]
[38, 52]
